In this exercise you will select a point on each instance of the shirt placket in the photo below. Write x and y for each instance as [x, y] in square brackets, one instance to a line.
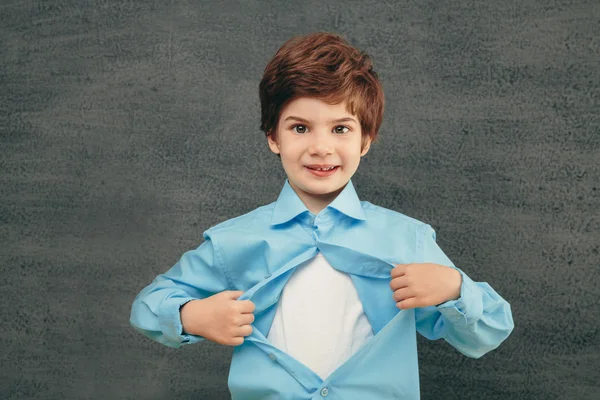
[265, 294]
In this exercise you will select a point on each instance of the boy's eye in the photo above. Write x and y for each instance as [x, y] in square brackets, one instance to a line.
[336, 129]
[341, 126]
[296, 126]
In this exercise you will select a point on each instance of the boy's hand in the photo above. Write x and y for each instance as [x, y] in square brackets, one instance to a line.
[219, 318]
[424, 284]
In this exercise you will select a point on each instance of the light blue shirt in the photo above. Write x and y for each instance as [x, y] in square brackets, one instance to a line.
[258, 252]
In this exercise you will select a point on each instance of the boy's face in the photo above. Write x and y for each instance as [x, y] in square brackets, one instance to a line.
[317, 141]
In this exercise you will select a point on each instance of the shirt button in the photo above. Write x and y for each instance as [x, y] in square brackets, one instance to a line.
[267, 276]
[272, 356]
[324, 392]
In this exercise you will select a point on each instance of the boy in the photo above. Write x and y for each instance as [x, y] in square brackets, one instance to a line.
[321, 294]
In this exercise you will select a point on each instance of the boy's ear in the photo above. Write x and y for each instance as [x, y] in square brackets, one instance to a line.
[273, 145]
[366, 146]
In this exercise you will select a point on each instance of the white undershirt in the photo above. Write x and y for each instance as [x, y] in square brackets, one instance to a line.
[320, 319]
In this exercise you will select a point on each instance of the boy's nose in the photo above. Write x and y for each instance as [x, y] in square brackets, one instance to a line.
[320, 145]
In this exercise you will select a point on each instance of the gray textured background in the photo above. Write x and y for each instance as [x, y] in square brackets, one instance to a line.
[127, 128]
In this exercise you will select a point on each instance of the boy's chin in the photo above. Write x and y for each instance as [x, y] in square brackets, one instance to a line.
[324, 190]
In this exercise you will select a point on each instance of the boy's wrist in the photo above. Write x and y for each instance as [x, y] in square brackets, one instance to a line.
[458, 280]
[186, 310]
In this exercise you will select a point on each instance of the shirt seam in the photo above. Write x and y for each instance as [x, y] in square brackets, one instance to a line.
[221, 264]
[420, 233]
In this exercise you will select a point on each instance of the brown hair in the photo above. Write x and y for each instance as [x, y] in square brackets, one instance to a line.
[322, 65]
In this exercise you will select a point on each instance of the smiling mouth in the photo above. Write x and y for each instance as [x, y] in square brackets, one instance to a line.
[322, 168]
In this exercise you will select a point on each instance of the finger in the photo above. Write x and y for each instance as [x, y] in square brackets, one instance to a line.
[236, 341]
[405, 304]
[401, 294]
[398, 283]
[246, 319]
[234, 294]
[246, 306]
[398, 270]
[245, 330]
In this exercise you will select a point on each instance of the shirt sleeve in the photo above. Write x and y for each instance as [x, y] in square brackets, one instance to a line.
[155, 310]
[475, 323]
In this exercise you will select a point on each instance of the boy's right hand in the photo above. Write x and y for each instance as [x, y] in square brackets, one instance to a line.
[220, 318]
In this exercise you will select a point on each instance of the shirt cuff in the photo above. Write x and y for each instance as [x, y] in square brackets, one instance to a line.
[468, 308]
[169, 319]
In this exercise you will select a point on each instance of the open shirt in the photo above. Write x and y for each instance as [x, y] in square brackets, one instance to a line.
[257, 254]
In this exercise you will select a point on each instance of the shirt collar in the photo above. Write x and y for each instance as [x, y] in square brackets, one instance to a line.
[289, 205]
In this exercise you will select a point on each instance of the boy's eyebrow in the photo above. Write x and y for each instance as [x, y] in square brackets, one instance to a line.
[347, 119]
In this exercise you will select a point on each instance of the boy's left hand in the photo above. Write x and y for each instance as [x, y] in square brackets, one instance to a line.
[424, 284]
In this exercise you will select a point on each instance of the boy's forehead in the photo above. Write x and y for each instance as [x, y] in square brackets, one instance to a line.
[314, 109]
